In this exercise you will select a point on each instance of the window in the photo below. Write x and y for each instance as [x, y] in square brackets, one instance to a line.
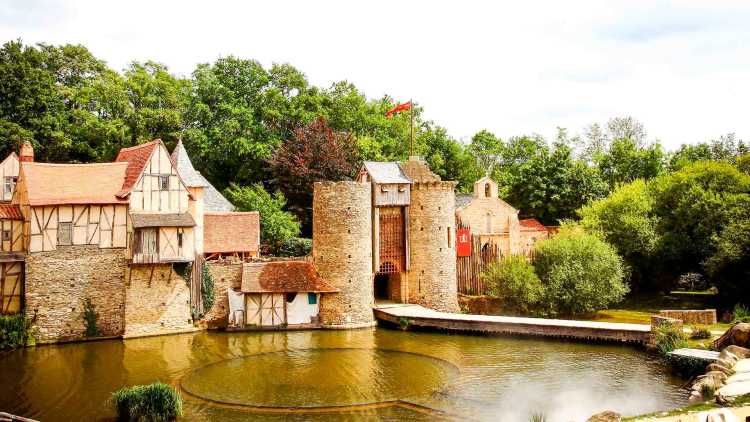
[164, 182]
[64, 233]
[312, 298]
[179, 238]
[487, 190]
[6, 235]
[10, 184]
[145, 241]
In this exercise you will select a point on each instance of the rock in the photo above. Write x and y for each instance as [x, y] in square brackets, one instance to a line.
[716, 366]
[738, 335]
[728, 357]
[607, 416]
[730, 391]
[738, 351]
[739, 377]
[742, 365]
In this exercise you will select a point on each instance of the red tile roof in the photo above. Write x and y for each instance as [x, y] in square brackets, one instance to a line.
[136, 157]
[10, 212]
[283, 277]
[56, 184]
[225, 232]
[532, 224]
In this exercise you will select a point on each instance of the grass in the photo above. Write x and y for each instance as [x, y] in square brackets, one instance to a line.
[156, 402]
[638, 308]
[698, 407]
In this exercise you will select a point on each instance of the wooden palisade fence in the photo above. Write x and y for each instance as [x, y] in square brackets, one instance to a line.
[469, 268]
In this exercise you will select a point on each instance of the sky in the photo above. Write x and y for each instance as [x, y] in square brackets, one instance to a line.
[518, 67]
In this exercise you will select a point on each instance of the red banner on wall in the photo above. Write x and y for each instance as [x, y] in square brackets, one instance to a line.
[463, 242]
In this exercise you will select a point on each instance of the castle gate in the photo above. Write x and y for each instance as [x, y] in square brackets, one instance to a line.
[391, 254]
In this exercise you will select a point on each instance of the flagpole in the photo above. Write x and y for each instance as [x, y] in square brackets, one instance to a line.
[411, 141]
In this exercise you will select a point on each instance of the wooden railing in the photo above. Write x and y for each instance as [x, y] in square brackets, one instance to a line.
[141, 258]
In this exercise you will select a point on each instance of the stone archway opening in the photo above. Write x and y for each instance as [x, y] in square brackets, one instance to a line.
[387, 283]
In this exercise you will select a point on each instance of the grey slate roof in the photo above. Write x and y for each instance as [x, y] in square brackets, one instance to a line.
[385, 172]
[463, 199]
[162, 220]
[213, 200]
[181, 160]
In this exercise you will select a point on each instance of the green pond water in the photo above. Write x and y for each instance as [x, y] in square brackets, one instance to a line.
[376, 374]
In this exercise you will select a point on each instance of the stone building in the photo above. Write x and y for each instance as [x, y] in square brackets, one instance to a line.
[117, 237]
[387, 236]
[494, 221]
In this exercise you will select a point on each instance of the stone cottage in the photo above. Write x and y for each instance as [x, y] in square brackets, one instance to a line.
[124, 239]
[494, 221]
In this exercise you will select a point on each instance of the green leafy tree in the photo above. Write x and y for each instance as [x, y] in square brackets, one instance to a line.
[725, 148]
[276, 225]
[580, 272]
[513, 280]
[487, 150]
[693, 206]
[626, 220]
[626, 161]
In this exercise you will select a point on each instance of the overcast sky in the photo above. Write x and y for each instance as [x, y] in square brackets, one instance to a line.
[517, 67]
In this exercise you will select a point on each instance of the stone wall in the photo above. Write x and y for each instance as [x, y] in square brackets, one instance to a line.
[432, 251]
[157, 301]
[226, 274]
[696, 316]
[342, 252]
[58, 282]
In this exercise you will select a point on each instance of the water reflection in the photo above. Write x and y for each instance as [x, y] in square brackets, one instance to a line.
[495, 376]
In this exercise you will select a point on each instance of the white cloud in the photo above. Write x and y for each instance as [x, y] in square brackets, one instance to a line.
[512, 67]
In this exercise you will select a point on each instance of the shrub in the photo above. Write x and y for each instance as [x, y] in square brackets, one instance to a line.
[296, 246]
[580, 273]
[513, 280]
[276, 224]
[699, 332]
[669, 337]
[156, 402]
[207, 289]
[740, 313]
[90, 317]
[14, 331]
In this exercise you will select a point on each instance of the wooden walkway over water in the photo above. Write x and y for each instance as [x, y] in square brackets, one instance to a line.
[418, 316]
[706, 355]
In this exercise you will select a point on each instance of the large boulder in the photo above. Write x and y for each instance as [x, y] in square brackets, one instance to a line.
[738, 335]
[738, 351]
[607, 416]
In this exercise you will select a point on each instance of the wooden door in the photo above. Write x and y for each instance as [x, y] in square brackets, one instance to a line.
[272, 309]
[11, 287]
[252, 309]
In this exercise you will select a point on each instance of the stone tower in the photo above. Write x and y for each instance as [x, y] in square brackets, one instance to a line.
[432, 230]
[342, 252]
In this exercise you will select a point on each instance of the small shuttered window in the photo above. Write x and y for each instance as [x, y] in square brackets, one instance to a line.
[312, 298]
[64, 233]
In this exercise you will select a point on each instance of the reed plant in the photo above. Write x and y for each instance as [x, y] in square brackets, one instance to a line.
[156, 402]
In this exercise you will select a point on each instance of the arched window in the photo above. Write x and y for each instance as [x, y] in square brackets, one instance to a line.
[487, 190]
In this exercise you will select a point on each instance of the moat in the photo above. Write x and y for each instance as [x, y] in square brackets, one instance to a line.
[342, 375]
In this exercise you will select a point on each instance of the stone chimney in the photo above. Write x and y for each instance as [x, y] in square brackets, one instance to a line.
[27, 153]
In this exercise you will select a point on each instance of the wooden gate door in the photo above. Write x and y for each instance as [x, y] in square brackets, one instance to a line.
[392, 240]
[11, 287]
[265, 309]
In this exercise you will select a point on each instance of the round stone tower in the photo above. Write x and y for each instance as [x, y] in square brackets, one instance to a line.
[342, 252]
[432, 245]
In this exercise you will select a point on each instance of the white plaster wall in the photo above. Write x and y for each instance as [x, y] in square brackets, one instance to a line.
[299, 311]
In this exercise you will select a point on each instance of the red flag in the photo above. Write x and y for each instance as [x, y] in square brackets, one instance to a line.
[399, 108]
[463, 242]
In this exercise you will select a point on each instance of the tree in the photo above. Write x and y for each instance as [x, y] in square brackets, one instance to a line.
[315, 153]
[729, 265]
[158, 100]
[487, 150]
[626, 161]
[693, 206]
[725, 148]
[580, 273]
[551, 185]
[276, 225]
[626, 128]
[626, 220]
[513, 280]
